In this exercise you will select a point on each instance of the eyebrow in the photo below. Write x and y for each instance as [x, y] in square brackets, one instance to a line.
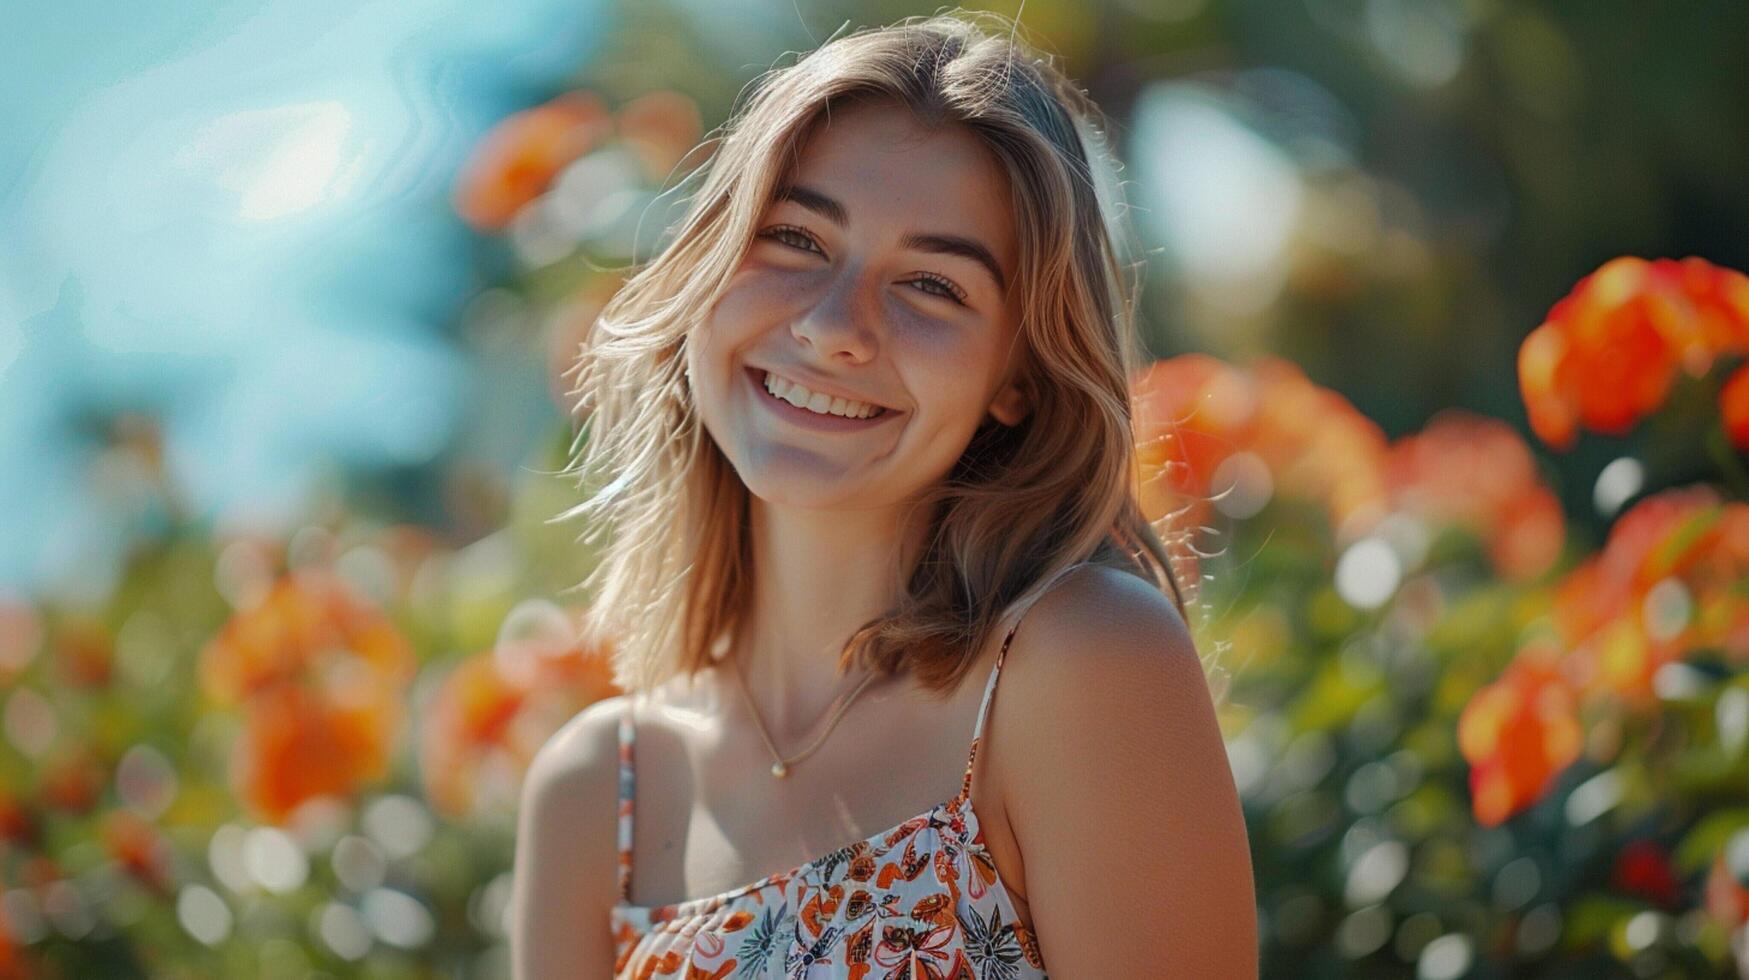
[834, 212]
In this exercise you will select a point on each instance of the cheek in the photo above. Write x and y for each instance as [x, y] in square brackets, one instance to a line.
[751, 305]
[951, 370]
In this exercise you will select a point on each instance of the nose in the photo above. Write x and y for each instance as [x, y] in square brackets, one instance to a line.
[839, 326]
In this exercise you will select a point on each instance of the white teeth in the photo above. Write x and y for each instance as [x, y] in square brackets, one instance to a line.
[817, 402]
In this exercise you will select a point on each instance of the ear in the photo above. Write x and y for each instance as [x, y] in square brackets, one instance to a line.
[1011, 404]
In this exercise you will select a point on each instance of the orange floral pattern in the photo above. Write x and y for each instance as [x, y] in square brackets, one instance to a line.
[917, 901]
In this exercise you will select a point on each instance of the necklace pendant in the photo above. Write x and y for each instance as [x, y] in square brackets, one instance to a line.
[779, 770]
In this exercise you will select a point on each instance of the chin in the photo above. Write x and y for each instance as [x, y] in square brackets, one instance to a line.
[809, 493]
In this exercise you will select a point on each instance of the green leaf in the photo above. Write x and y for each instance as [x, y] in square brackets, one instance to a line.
[1708, 837]
[1675, 544]
[1338, 690]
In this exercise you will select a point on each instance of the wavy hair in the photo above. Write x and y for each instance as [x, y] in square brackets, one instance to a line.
[1023, 506]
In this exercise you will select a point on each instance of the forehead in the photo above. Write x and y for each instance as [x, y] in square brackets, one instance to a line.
[892, 172]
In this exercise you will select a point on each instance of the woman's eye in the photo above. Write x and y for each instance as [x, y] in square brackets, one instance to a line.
[791, 235]
[797, 238]
[948, 290]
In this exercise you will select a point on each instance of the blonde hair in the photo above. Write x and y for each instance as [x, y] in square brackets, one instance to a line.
[1023, 506]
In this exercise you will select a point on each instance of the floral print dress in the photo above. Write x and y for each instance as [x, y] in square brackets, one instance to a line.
[918, 901]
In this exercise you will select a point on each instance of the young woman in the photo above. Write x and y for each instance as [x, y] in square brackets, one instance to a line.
[866, 420]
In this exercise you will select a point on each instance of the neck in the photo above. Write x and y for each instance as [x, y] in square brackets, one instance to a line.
[818, 575]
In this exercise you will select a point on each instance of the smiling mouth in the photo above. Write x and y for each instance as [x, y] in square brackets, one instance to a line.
[759, 376]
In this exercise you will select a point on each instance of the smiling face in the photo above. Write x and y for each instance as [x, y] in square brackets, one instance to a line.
[882, 272]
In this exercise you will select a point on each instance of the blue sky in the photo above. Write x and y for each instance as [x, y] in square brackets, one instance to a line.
[233, 216]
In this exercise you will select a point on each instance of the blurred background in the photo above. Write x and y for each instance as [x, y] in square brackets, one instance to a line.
[1445, 301]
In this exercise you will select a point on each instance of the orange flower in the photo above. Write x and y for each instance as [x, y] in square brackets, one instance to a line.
[319, 673]
[13, 964]
[495, 709]
[72, 780]
[1518, 733]
[1476, 472]
[17, 823]
[1600, 609]
[1717, 317]
[309, 621]
[1190, 413]
[1320, 445]
[1607, 352]
[1634, 558]
[84, 654]
[1194, 413]
[1734, 406]
[519, 157]
[1722, 606]
[1667, 582]
[468, 715]
[141, 849]
[300, 743]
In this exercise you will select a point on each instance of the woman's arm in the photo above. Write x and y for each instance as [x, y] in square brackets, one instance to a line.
[566, 870]
[1117, 786]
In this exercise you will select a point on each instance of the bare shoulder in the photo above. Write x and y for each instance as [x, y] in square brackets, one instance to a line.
[566, 866]
[1104, 648]
[1102, 651]
[585, 749]
[1116, 784]
[1101, 616]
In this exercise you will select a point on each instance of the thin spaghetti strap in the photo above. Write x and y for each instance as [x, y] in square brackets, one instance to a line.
[626, 735]
[984, 709]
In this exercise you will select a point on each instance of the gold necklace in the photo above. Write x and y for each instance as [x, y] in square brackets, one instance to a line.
[780, 768]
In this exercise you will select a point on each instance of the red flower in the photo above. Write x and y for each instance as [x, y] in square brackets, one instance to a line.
[1643, 868]
[17, 823]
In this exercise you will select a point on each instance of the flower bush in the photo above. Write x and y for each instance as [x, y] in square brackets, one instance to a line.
[1468, 742]
[1465, 743]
